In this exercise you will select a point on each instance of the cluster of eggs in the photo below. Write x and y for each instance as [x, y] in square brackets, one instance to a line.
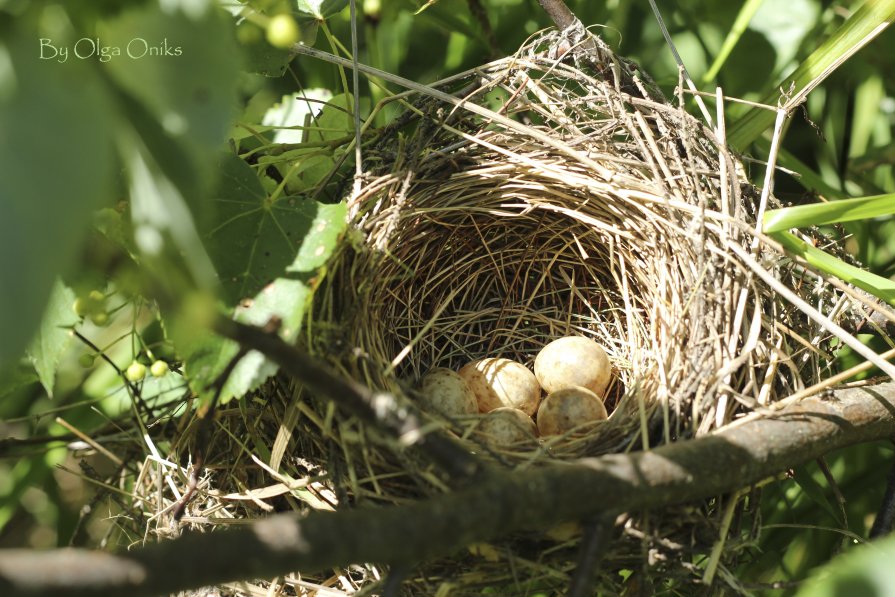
[573, 372]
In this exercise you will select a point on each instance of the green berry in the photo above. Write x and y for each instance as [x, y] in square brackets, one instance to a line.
[158, 368]
[282, 32]
[97, 297]
[81, 307]
[101, 318]
[86, 360]
[372, 8]
[248, 33]
[135, 372]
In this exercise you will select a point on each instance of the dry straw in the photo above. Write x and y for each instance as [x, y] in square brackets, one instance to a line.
[571, 200]
[605, 212]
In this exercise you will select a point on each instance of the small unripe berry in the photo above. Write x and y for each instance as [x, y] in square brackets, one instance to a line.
[282, 31]
[86, 360]
[135, 372]
[100, 319]
[81, 307]
[158, 368]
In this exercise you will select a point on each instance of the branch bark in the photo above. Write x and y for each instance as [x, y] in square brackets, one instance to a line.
[559, 13]
[382, 410]
[496, 505]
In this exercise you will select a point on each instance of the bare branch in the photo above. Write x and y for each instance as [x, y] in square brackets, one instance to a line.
[499, 504]
[380, 409]
[559, 13]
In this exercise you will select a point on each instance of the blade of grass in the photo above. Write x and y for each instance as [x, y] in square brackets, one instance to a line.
[865, 24]
[733, 37]
[878, 286]
[818, 214]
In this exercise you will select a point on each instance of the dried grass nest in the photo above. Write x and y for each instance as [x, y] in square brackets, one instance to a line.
[600, 210]
[577, 202]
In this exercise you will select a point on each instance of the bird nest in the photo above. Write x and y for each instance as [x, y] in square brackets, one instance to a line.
[550, 194]
[582, 204]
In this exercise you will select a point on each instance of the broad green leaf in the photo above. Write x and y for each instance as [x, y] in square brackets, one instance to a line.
[53, 336]
[321, 9]
[321, 239]
[878, 286]
[267, 254]
[865, 570]
[253, 238]
[56, 166]
[785, 25]
[309, 173]
[335, 120]
[262, 58]
[204, 360]
[818, 214]
[283, 298]
[164, 228]
[871, 93]
[181, 63]
[294, 110]
[15, 377]
[871, 18]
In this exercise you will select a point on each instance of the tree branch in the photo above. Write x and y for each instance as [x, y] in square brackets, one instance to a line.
[559, 13]
[382, 410]
[499, 504]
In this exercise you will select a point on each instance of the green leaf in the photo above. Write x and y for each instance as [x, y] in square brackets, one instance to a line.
[871, 18]
[265, 59]
[164, 228]
[321, 239]
[58, 166]
[267, 254]
[181, 62]
[818, 214]
[878, 286]
[15, 377]
[335, 120]
[866, 570]
[739, 26]
[53, 336]
[254, 239]
[321, 9]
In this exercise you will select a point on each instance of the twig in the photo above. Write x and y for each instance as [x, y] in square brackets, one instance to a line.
[503, 503]
[597, 538]
[392, 585]
[813, 313]
[559, 13]
[481, 16]
[382, 410]
[885, 519]
[206, 418]
[834, 487]
[355, 81]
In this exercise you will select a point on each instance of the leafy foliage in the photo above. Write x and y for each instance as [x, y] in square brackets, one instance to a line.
[866, 570]
[266, 252]
[50, 113]
[200, 218]
[53, 336]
